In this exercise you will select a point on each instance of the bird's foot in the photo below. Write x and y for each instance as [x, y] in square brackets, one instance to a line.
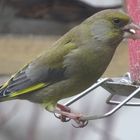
[65, 115]
[61, 108]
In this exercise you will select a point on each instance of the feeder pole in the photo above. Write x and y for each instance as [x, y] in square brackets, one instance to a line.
[133, 9]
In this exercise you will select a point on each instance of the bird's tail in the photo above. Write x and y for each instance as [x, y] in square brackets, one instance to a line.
[3, 97]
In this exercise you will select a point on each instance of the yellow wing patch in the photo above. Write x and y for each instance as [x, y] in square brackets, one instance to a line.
[27, 90]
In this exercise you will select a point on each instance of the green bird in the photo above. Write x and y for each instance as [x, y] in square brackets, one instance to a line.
[71, 64]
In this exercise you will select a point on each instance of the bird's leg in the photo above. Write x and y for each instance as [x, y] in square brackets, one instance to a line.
[66, 114]
[63, 108]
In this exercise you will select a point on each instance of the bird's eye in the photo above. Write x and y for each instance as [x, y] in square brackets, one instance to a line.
[117, 21]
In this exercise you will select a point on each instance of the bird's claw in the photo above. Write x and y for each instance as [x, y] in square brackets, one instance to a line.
[62, 117]
[80, 123]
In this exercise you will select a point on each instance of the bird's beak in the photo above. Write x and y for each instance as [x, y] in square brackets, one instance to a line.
[130, 31]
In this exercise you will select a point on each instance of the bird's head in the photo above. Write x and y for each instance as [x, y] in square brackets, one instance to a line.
[112, 26]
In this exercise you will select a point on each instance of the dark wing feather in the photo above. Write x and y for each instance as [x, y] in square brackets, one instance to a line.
[30, 76]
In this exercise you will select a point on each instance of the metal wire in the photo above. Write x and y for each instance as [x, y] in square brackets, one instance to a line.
[82, 94]
[95, 117]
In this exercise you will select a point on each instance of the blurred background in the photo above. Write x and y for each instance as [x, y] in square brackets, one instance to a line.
[27, 27]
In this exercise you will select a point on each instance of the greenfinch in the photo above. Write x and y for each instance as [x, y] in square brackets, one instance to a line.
[73, 63]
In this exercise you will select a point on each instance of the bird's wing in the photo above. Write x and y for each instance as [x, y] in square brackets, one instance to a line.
[35, 76]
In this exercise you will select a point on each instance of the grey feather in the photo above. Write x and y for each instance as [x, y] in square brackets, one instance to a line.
[32, 75]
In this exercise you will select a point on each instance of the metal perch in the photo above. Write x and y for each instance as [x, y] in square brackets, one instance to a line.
[116, 86]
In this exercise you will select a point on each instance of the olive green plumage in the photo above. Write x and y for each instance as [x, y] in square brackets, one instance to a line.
[70, 65]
